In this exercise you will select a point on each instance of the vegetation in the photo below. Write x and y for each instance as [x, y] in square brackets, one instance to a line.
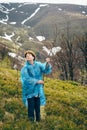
[71, 60]
[63, 25]
[66, 107]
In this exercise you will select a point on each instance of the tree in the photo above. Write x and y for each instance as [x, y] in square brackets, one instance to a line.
[68, 58]
[82, 42]
[83, 47]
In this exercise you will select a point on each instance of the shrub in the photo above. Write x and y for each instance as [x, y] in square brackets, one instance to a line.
[2, 112]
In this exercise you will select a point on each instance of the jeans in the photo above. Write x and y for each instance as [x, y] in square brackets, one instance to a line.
[34, 106]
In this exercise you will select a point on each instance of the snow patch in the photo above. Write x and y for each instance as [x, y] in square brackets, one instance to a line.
[30, 16]
[1, 21]
[83, 12]
[30, 38]
[59, 9]
[35, 12]
[43, 5]
[4, 20]
[12, 54]
[40, 38]
[13, 23]
[8, 37]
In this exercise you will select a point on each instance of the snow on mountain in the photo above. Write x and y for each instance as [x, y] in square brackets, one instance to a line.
[30, 38]
[12, 54]
[40, 38]
[37, 17]
[4, 20]
[8, 37]
[5, 10]
[13, 23]
[1, 21]
[59, 9]
[19, 13]
[33, 14]
[43, 5]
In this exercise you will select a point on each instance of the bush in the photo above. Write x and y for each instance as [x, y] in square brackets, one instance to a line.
[2, 112]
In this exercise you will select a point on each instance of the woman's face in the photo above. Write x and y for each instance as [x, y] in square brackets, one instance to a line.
[29, 57]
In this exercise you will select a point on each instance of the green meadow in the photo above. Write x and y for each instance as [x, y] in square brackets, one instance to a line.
[66, 107]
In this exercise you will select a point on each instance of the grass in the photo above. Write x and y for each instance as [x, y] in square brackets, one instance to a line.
[66, 107]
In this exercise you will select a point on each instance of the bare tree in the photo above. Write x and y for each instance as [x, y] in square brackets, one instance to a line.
[82, 41]
[67, 59]
[83, 47]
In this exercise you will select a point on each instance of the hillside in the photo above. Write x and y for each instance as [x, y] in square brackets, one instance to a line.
[66, 107]
[32, 26]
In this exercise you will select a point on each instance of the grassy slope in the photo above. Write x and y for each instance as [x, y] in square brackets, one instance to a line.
[66, 105]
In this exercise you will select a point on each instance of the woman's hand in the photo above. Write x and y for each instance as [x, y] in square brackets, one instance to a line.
[40, 82]
[48, 60]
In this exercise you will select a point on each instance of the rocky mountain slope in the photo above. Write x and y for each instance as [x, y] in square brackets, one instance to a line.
[43, 17]
[28, 26]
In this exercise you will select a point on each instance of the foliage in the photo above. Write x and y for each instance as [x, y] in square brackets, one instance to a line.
[66, 107]
[6, 62]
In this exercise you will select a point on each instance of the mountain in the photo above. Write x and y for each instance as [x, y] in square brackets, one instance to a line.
[30, 26]
[43, 17]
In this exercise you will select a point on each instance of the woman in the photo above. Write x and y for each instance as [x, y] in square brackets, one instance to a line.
[32, 84]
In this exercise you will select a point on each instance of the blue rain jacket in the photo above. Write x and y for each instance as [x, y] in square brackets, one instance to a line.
[30, 74]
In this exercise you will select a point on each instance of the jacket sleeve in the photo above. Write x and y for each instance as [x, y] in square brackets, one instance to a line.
[46, 68]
